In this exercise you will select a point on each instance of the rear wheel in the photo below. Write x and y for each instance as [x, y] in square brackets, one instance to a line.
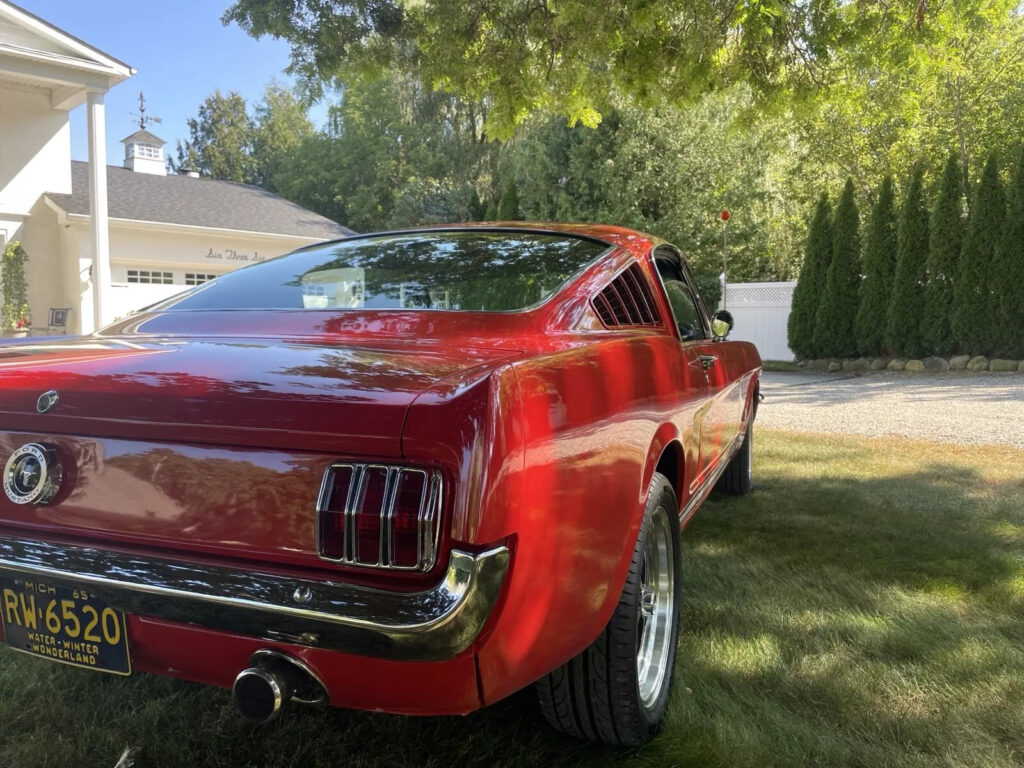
[738, 477]
[617, 690]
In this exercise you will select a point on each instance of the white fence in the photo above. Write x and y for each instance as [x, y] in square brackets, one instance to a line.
[761, 311]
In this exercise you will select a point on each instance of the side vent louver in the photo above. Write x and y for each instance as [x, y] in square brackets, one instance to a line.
[626, 300]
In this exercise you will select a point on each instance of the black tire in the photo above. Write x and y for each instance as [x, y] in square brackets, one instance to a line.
[738, 478]
[597, 695]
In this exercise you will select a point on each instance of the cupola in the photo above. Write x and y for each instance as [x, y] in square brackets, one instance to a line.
[144, 153]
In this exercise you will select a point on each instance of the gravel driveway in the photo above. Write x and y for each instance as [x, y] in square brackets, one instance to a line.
[953, 408]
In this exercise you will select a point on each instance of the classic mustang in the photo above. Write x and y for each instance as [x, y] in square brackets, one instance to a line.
[411, 472]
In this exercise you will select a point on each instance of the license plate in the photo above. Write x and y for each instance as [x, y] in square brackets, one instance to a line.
[64, 624]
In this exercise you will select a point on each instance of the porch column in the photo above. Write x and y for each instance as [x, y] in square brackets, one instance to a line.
[98, 207]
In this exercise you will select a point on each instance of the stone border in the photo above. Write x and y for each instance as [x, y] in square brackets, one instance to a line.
[933, 364]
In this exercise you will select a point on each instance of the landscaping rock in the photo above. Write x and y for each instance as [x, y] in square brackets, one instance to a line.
[936, 364]
[959, 362]
[916, 366]
[1020, 368]
[859, 365]
[879, 363]
[819, 365]
[1002, 365]
[978, 363]
[834, 366]
[896, 364]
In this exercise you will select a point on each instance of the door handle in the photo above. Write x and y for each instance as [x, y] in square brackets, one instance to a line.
[708, 360]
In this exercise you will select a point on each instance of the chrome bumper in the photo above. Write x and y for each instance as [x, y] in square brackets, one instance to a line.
[438, 623]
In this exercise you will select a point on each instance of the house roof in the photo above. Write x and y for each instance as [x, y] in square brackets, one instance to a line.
[61, 36]
[143, 135]
[196, 202]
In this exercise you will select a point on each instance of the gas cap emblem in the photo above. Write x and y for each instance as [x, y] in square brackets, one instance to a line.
[33, 474]
[47, 400]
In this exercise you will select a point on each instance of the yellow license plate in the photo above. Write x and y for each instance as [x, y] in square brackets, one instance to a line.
[65, 624]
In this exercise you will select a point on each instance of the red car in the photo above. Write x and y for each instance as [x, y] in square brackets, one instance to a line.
[411, 472]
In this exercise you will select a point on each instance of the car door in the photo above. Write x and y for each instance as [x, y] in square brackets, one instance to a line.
[693, 333]
[694, 329]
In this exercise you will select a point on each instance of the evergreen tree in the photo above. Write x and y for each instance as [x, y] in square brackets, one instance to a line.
[903, 331]
[945, 239]
[879, 264]
[810, 285]
[1008, 271]
[491, 214]
[837, 311]
[974, 316]
[477, 209]
[508, 206]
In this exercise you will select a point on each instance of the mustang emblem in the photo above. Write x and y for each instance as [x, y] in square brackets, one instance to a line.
[47, 400]
[33, 474]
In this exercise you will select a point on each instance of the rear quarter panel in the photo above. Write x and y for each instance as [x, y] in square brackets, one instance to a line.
[590, 416]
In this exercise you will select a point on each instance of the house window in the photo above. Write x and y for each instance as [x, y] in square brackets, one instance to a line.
[150, 276]
[197, 278]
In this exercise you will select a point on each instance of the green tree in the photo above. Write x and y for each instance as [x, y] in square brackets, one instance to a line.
[811, 284]
[1008, 269]
[904, 333]
[834, 332]
[567, 58]
[945, 238]
[491, 214]
[975, 312]
[220, 140]
[280, 126]
[16, 312]
[879, 264]
[508, 206]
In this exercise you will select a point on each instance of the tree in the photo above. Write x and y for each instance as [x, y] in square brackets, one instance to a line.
[508, 206]
[568, 57]
[811, 284]
[945, 239]
[975, 313]
[16, 314]
[1008, 269]
[904, 334]
[833, 332]
[879, 264]
[220, 140]
[280, 126]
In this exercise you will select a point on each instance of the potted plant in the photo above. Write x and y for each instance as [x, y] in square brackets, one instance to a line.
[15, 312]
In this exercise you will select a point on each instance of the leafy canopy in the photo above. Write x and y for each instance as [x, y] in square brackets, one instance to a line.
[567, 57]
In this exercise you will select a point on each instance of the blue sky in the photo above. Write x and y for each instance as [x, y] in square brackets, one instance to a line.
[181, 51]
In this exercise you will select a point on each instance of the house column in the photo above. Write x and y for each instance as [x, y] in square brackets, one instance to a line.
[98, 208]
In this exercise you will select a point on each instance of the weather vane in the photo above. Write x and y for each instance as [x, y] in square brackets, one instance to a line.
[144, 119]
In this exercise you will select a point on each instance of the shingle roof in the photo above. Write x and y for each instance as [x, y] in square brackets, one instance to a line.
[196, 202]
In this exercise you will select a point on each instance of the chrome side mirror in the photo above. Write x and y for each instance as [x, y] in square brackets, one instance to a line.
[721, 324]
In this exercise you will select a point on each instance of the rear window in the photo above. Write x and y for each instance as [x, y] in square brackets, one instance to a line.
[479, 271]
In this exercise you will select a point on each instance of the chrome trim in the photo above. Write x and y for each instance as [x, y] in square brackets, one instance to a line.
[428, 517]
[437, 623]
[47, 400]
[266, 657]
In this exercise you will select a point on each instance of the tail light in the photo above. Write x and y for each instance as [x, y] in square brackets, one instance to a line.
[379, 516]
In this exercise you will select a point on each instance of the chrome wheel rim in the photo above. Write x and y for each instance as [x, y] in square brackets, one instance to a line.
[656, 611]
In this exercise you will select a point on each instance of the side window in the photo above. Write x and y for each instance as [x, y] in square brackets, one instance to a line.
[684, 308]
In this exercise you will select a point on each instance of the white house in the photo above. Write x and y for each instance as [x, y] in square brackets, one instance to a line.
[105, 240]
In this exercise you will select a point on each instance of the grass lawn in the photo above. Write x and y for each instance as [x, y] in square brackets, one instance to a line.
[863, 607]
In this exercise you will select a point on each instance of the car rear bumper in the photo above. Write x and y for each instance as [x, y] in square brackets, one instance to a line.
[432, 625]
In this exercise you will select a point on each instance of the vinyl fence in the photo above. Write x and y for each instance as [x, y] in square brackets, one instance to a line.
[761, 311]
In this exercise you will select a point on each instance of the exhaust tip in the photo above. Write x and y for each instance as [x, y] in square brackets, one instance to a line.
[259, 694]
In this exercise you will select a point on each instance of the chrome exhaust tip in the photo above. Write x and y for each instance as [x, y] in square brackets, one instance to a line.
[260, 694]
[273, 680]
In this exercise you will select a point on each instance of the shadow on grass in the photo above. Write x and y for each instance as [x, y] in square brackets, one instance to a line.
[837, 616]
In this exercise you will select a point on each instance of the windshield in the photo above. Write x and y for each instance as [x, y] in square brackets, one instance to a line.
[476, 270]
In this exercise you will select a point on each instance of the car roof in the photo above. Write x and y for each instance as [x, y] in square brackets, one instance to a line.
[605, 233]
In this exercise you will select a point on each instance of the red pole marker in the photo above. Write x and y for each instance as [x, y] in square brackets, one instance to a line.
[724, 215]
